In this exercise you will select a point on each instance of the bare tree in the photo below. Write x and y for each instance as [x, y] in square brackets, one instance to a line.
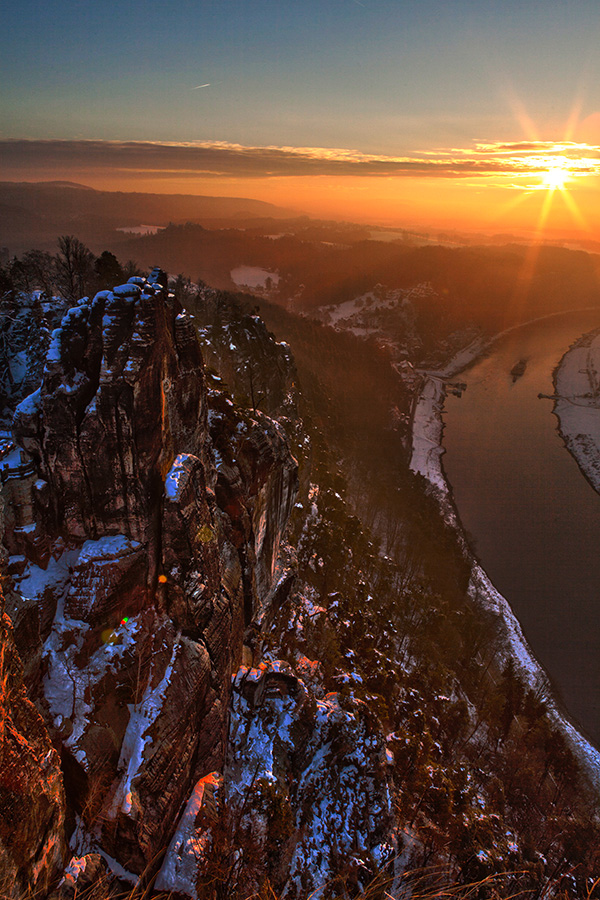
[75, 267]
[35, 270]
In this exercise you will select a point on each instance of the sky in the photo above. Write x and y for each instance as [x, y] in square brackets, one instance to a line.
[451, 114]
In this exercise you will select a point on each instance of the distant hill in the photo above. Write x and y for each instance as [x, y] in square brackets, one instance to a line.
[33, 214]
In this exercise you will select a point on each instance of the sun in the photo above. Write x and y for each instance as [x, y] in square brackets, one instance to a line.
[556, 178]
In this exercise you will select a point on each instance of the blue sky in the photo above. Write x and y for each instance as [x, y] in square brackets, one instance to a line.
[381, 76]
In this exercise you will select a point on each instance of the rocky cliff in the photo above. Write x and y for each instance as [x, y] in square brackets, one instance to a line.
[145, 556]
[26, 324]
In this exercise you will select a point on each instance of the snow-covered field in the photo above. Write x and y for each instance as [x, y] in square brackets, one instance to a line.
[372, 301]
[577, 404]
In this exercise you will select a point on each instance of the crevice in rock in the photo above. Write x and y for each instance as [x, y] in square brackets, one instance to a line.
[121, 454]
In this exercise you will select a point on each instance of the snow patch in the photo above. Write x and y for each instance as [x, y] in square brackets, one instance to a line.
[127, 290]
[137, 736]
[178, 474]
[35, 580]
[181, 866]
[252, 276]
[107, 548]
[66, 686]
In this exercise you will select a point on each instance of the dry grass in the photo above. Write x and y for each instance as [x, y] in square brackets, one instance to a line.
[421, 884]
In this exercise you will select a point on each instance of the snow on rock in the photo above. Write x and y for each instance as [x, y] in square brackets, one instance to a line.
[106, 580]
[120, 871]
[320, 763]
[38, 594]
[137, 735]
[101, 452]
[254, 739]
[28, 320]
[187, 851]
[18, 366]
[55, 349]
[31, 404]
[69, 681]
[106, 549]
[178, 475]
[344, 800]
[145, 620]
[131, 289]
[80, 874]
[35, 581]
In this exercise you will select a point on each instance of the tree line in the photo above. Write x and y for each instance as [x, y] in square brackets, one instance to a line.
[72, 272]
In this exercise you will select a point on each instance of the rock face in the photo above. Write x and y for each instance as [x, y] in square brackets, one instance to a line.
[26, 322]
[153, 562]
[122, 394]
[259, 370]
[159, 510]
[32, 804]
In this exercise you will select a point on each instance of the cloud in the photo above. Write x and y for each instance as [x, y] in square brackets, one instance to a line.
[533, 148]
[223, 159]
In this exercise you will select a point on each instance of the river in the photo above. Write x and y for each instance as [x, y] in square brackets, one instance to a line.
[532, 518]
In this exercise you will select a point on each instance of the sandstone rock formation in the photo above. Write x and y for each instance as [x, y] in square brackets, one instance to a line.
[26, 322]
[153, 564]
[258, 369]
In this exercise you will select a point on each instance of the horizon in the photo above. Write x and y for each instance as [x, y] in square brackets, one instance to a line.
[427, 229]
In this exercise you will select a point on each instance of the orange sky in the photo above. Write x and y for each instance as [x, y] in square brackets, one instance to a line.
[434, 203]
[527, 187]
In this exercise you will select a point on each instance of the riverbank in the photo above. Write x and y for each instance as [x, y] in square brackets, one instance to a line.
[427, 425]
[577, 404]
[426, 460]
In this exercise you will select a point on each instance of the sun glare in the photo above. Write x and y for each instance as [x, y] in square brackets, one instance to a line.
[556, 178]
